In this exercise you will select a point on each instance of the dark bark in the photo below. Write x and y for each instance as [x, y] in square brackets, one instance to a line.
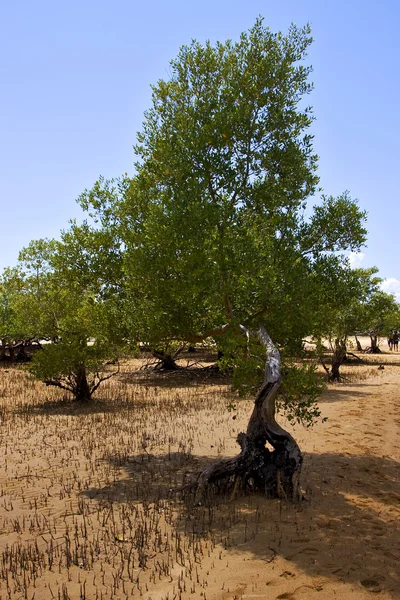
[11, 352]
[347, 358]
[167, 361]
[338, 358]
[273, 472]
[374, 348]
[358, 344]
[82, 391]
[340, 355]
[78, 384]
[21, 355]
[14, 350]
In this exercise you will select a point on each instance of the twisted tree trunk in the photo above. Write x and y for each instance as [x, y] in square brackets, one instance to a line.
[275, 473]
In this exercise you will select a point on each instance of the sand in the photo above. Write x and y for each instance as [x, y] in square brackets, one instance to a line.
[88, 510]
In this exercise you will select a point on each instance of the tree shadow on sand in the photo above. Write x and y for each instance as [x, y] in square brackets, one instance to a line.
[347, 527]
[184, 377]
[67, 406]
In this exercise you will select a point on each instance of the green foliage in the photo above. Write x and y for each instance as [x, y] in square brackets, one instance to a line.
[62, 360]
[210, 233]
[335, 225]
[9, 288]
[381, 314]
[224, 160]
[351, 301]
[245, 358]
[47, 298]
[301, 388]
[212, 223]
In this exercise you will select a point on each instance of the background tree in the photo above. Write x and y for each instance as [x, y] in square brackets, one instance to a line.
[65, 311]
[344, 309]
[380, 315]
[12, 337]
[23, 289]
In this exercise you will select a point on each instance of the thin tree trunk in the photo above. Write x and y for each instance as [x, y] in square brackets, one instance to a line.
[358, 344]
[21, 355]
[374, 344]
[11, 352]
[338, 358]
[275, 473]
[82, 390]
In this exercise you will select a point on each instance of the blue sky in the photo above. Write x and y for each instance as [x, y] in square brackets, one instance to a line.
[75, 80]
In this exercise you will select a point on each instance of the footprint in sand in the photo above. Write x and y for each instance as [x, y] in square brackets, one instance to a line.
[287, 574]
[292, 595]
[372, 585]
[302, 550]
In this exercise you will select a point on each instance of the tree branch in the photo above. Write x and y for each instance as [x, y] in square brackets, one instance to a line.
[103, 378]
[58, 383]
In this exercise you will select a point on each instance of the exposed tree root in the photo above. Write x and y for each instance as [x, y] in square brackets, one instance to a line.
[372, 350]
[274, 473]
[166, 362]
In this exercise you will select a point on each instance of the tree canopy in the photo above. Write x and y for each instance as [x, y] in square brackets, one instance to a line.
[77, 329]
[213, 222]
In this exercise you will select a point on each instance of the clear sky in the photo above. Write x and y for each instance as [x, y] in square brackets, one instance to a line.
[75, 80]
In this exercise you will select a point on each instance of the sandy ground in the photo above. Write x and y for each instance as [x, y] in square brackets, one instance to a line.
[87, 508]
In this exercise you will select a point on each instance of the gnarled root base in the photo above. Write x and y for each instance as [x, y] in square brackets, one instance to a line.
[373, 350]
[274, 473]
[256, 469]
[166, 361]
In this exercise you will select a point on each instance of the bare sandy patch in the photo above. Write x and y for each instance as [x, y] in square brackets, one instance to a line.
[88, 507]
